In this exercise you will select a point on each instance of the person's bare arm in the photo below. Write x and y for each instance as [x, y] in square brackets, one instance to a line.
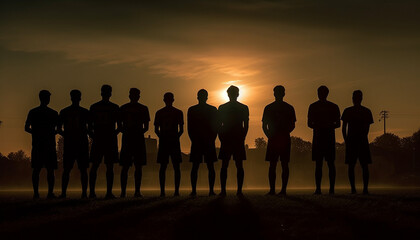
[344, 130]
[181, 129]
[145, 127]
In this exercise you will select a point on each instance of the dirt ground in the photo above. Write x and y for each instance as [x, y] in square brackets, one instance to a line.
[385, 214]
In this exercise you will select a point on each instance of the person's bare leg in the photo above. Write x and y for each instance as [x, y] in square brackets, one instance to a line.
[84, 180]
[177, 175]
[272, 177]
[194, 176]
[65, 182]
[137, 180]
[351, 178]
[223, 176]
[35, 181]
[284, 176]
[109, 180]
[365, 170]
[332, 172]
[212, 176]
[162, 178]
[123, 180]
[92, 179]
[239, 176]
[51, 182]
[318, 175]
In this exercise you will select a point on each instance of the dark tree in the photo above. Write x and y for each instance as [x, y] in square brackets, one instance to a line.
[260, 143]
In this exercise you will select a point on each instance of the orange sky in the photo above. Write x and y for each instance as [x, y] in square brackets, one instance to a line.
[188, 45]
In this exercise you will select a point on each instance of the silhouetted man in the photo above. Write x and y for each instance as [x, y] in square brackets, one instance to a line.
[323, 118]
[356, 123]
[169, 126]
[42, 124]
[134, 123]
[102, 126]
[278, 122]
[234, 120]
[202, 130]
[74, 119]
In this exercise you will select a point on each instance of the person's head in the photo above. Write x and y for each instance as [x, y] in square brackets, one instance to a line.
[106, 92]
[233, 92]
[168, 98]
[357, 97]
[44, 97]
[323, 92]
[75, 96]
[279, 92]
[202, 95]
[134, 94]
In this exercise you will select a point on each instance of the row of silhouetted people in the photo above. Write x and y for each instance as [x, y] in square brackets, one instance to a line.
[105, 120]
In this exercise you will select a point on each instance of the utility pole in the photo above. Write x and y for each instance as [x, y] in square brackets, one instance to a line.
[384, 115]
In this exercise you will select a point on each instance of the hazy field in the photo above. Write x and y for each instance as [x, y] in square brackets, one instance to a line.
[385, 214]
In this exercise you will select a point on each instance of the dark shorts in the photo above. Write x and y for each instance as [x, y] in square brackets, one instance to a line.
[358, 150]
[169, 148]
[233, 148]
[278, 148]
[76, 151]
[108, 150]
[323, 151]
[133, 151]
[44, 157]
[200, 150]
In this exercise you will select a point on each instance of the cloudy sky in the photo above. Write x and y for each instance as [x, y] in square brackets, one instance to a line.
[183, 46]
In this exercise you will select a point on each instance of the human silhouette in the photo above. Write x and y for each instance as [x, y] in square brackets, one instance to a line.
[202, 130]
[41, 123]
[134, 123]
[104, 118]
[169, 126]
[323, 118]
[356, 123]
[234, 120]
[74, 119]
[278, 122]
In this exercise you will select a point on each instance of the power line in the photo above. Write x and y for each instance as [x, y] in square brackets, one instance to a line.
[384, 114]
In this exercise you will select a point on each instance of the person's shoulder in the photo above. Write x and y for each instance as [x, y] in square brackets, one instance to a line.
[365, 109]
[211, 107]
[95, 105]
[332, 105]
[179, 111]
[114, 105]
[51, 111]
[142, 106]
[65, 110]
[124, 106]
[223, 105]
[193, 108]
[242, 105]
[289, 105]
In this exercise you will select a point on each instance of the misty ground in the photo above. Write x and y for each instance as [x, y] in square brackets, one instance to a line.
[385, 214]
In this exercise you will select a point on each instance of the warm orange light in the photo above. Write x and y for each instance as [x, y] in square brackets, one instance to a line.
[243, 93]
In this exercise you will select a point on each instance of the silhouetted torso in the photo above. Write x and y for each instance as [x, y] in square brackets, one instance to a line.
[280, 117]
[74, 120]
[358, 118]
[43, 121]
[133, 118]
[323, 117]
[104, 116]
[202, 123]
[232, 115]
[168, 119]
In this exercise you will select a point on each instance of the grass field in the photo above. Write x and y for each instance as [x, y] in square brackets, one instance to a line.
[385, 214]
